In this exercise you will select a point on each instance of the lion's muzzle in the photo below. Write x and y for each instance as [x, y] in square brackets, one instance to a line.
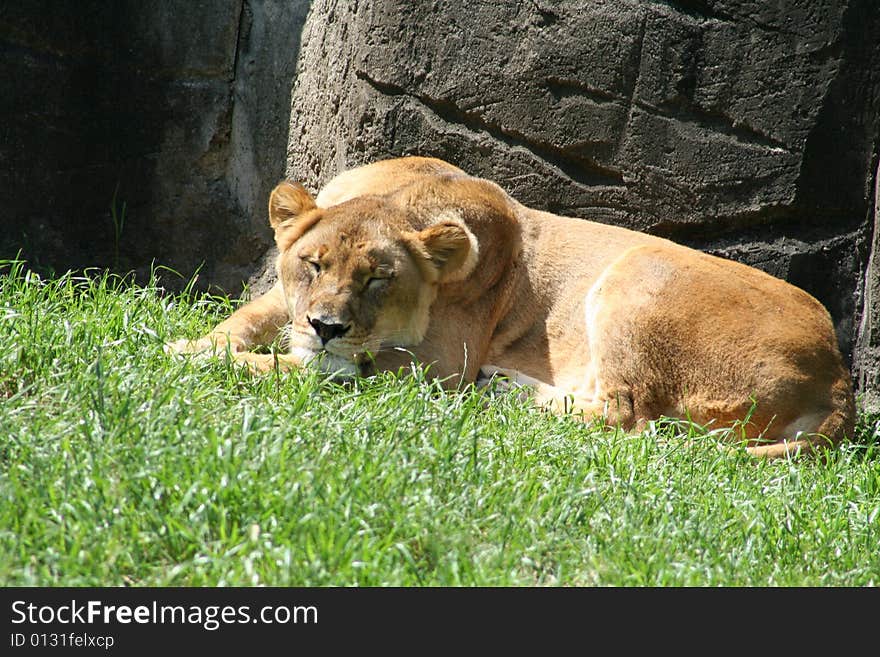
[327, 329]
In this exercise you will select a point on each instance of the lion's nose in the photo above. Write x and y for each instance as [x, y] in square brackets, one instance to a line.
[328, 331]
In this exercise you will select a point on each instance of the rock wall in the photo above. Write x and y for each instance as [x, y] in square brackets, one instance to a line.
[746, 128]
[175, 112]
[866, 359]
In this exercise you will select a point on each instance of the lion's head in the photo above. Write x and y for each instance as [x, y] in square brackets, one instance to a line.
[360, 277]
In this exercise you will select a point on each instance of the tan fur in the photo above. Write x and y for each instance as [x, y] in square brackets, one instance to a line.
[411, 257]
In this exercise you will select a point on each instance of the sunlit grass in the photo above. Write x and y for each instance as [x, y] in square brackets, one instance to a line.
[121, 465]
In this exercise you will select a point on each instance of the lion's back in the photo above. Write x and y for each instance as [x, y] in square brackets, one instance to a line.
[382, 177]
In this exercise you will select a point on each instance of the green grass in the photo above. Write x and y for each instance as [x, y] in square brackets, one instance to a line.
[120, 465]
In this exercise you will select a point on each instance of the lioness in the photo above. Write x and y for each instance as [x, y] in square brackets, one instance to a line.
[412, 258]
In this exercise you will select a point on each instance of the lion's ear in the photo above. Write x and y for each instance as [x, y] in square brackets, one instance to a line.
[288, 201]
[290, 212]
[450, 248]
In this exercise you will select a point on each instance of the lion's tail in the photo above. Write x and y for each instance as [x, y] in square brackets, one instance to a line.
[836, 426]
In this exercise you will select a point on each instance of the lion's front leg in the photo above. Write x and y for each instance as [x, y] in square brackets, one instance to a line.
[615, 410]
[256, 323]
[339, 368]
[262, 363]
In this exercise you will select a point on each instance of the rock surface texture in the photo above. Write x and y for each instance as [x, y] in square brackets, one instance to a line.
[141, 131]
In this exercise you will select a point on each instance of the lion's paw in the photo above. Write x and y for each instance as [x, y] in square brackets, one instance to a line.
[210, 345]
[504, 380]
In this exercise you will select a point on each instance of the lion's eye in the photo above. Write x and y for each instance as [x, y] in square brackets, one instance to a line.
[314, 264]
[378, 279]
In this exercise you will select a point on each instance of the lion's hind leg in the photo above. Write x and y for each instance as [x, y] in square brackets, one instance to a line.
[811, 433]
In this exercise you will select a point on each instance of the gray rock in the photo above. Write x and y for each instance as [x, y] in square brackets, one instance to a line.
[866, 361]
[176, 112]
